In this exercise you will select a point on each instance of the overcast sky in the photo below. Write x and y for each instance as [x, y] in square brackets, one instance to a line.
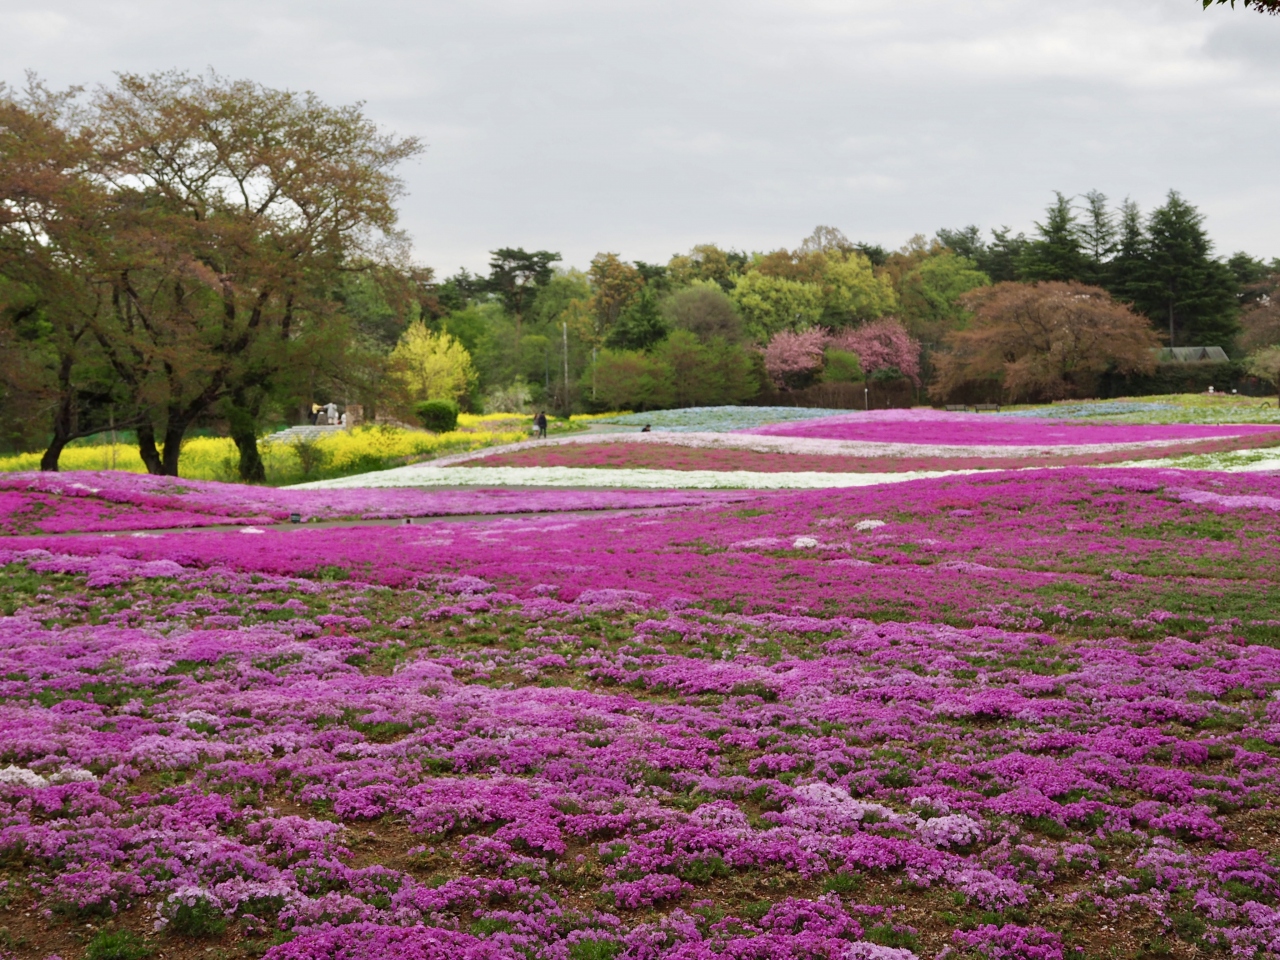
[646, 127]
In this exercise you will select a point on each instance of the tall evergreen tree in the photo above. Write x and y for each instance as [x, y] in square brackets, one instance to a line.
[1058, 253]
[1180, 286]
[967, 242]
[1124, 272]
[1003, 255]
[1097, 237]
[998, 259]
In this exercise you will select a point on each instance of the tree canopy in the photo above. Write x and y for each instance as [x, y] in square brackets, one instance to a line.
[199, 226]
[1044, 341]
[1264, 6]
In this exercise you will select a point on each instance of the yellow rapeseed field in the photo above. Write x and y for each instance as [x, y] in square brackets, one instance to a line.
[337, 454]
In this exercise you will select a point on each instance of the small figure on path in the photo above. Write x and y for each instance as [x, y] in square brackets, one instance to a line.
[315, 412]
[540, 421]
[646, 429]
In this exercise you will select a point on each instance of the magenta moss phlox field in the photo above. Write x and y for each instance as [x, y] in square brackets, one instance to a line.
[1027, 715]
[936, 427]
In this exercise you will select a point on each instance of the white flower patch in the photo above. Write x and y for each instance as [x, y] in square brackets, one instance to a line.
[803, 543]
[757, 543]
[437, 476]
[22, 777]
[866, 950]
[952, 830]
[865, 525]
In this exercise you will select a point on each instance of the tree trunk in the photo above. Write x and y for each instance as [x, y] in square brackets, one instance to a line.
[147, 448]
[50, 459]
[64, 425]
[243, 420]
[173, 433]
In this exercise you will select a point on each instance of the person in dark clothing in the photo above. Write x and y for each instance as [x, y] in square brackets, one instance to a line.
[646, 429]
[540, 421]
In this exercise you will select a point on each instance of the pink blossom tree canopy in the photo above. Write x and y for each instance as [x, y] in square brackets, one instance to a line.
[792, 356]
[880, 344]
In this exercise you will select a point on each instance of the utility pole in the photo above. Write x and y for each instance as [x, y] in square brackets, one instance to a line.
[564, 329]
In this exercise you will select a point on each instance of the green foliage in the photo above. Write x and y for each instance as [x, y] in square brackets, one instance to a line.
[842, 883]
[680, 371]
[1178, 284]
[629, 380]
[1262, 6]
[198, 919]
[706, 311]
[558, 294]
[640, 325]
[706, 374]
[704, 870]
[888, 935]
[1058, 253]
[853, 291]
[439, 416]
[1265, 365]
[364, 301]
[841, 366]
[517, 276]
[117, 945]
[770, 304]
[470, 325]
[997, 259]
[931, 294]
[431, 366]
[594, 950]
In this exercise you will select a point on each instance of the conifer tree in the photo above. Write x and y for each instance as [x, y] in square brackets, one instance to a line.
[1179, 284]
[1058, 253]
[1097, 237]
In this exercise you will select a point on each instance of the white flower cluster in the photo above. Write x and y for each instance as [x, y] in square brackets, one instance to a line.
[416, 476]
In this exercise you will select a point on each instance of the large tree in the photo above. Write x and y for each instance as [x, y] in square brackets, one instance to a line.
[215, 218]
[706, 311]
[931, 294]
[1098, 235]
[1127, 267]
[56, 225]
[1057, 253]
[1044, 341]
[1177, 282]
[516, 276]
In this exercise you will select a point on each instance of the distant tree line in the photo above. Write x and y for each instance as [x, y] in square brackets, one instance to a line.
[185, 253]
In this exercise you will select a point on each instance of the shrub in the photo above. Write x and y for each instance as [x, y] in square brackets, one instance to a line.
[842, 366]
[197, 918]
[439, 416]
[1265, 365]
[426, 363]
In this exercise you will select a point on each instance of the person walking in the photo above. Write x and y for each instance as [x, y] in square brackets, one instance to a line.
[540, 421]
